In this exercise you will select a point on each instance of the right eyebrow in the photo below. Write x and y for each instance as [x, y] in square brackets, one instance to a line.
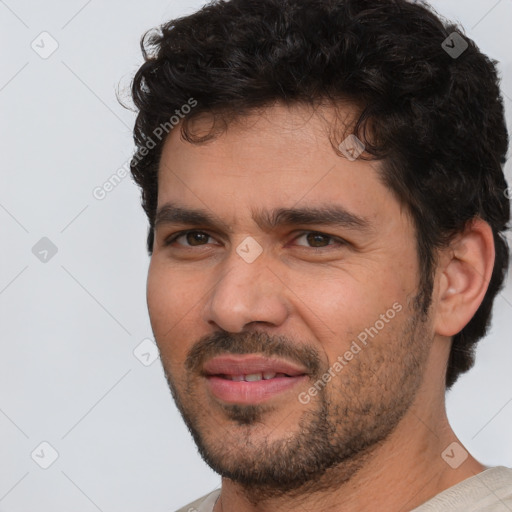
[171, 213]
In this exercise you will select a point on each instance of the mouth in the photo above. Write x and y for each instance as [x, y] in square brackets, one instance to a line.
[250, 379]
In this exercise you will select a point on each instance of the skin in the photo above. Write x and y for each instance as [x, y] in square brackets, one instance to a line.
[384, 413]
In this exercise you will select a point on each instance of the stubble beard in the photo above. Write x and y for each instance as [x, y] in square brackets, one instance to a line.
[337, 431]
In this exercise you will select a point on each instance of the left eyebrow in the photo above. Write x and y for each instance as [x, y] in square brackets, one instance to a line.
[326, 215]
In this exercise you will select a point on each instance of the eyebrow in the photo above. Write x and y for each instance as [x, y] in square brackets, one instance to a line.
[326, 215]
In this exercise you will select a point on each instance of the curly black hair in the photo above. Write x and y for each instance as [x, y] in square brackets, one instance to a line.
[433, 118]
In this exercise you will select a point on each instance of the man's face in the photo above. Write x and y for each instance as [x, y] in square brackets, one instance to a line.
[289, 346]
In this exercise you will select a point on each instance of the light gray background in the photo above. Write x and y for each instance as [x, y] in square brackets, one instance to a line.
[69, 326]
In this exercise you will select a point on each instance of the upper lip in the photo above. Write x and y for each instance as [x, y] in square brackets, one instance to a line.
[250, 364]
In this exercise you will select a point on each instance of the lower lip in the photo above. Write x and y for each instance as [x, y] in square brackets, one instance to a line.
[242, 392]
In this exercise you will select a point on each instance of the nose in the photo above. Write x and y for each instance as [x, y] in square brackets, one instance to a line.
[246, 293]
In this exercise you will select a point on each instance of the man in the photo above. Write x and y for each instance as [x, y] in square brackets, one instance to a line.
[324, 186]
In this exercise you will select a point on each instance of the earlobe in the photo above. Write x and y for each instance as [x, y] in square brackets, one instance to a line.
[465, 271]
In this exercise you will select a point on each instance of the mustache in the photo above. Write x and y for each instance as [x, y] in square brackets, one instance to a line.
[221, 343]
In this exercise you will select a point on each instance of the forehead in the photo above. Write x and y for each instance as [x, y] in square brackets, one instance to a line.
[281, 157]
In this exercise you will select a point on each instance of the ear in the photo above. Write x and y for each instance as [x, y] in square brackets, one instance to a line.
[464, 271]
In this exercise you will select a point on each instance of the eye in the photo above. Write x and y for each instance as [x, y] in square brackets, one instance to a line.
[192, 238]
[195, 238]
[318, 240]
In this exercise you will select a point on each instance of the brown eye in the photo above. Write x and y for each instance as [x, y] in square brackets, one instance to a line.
[192, 238]
[196, 237]
[318, 240]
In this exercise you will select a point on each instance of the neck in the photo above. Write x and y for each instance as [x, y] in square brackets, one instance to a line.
[403, 472]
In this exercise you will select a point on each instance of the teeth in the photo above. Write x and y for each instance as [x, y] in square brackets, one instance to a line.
[253, 377]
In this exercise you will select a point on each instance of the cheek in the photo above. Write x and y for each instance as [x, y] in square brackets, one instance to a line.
[160, 295]
[171, 298]
[338, 310]
[170, 290]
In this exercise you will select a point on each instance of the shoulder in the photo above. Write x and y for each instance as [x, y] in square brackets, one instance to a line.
[497, 482]
[488, 491]
[204, 504]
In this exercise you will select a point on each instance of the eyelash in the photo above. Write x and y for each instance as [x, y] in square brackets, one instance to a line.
[168, 241]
